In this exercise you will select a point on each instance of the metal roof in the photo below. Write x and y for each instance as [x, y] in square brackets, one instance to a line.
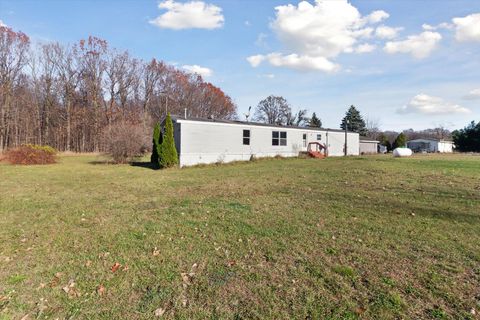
[237, 122]
[431, 139]
[365, 139]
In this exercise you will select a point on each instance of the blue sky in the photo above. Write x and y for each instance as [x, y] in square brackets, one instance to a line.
[404, 63]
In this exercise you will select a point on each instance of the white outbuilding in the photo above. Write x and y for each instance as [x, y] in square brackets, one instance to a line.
[431, 145]
[368, 146]
[203, 141]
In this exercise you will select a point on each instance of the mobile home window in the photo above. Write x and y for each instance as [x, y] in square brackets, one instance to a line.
[304, 139]
[246, 137]
[319, 136]
[279, 138]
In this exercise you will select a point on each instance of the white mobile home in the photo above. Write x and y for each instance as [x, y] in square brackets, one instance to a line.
[430, 145]
[202, 141]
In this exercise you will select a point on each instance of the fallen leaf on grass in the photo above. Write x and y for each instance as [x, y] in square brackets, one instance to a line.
[231, 263]
[159, 312]
[88, 263]
[56, 279]
[116, 266]
[101, 290]
[71, 290]
[104, 255]
[187, 278]
[155, 252]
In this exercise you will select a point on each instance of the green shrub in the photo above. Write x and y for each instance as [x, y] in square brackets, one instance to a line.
[157, 141]
[400, 141]
[168, 152]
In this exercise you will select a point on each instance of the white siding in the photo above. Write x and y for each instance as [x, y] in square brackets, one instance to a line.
[445, 146]
[432, 145]
[210, 142]
[368, 147]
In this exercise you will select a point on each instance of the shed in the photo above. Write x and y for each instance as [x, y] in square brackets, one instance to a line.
[203, 141]
[368, 146]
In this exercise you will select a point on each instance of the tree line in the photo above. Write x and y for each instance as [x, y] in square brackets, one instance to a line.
[69, 96]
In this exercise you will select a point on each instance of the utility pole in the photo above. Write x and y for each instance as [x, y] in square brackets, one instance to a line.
[346, 134]
[167, 96]
[166, 104]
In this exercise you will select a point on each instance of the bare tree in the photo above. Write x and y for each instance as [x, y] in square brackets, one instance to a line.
[297, 119]
[70, 95]
[93, 65]
[67, 65]
[272, 110]
[13, 57]
[373, 127]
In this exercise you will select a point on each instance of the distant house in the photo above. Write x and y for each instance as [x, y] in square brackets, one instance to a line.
[202, 141]
[368, 146]
[431, 145]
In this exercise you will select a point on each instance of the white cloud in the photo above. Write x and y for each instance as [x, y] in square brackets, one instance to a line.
[473, 95]
[326, 28]
[2, 24]
[256, 60]
[295, 61]
[188, 15]
[425, 104]
[385, 32]
[247, 23]
[261, 40]
[377, 16]
[203, 71]
[365, 48]
[419, 46]
[467, 28]
[442, 25]
[315, 33]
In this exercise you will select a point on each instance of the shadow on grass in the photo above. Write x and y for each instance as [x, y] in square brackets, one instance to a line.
[146, 165]
[97, 162]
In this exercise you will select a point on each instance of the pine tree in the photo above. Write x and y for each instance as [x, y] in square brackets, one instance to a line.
[355, 121]
[400, 141]
[385, 142]
[168, 152]
[156, 142]
[315, 122]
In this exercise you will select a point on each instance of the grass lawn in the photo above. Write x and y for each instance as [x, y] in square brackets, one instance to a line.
[363, 237]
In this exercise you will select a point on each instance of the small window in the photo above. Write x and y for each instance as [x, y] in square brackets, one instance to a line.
[279, 138]
[319, 136]
[304, 140]
[246, 137]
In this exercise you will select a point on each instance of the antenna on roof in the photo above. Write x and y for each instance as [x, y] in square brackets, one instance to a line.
[247, 115]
